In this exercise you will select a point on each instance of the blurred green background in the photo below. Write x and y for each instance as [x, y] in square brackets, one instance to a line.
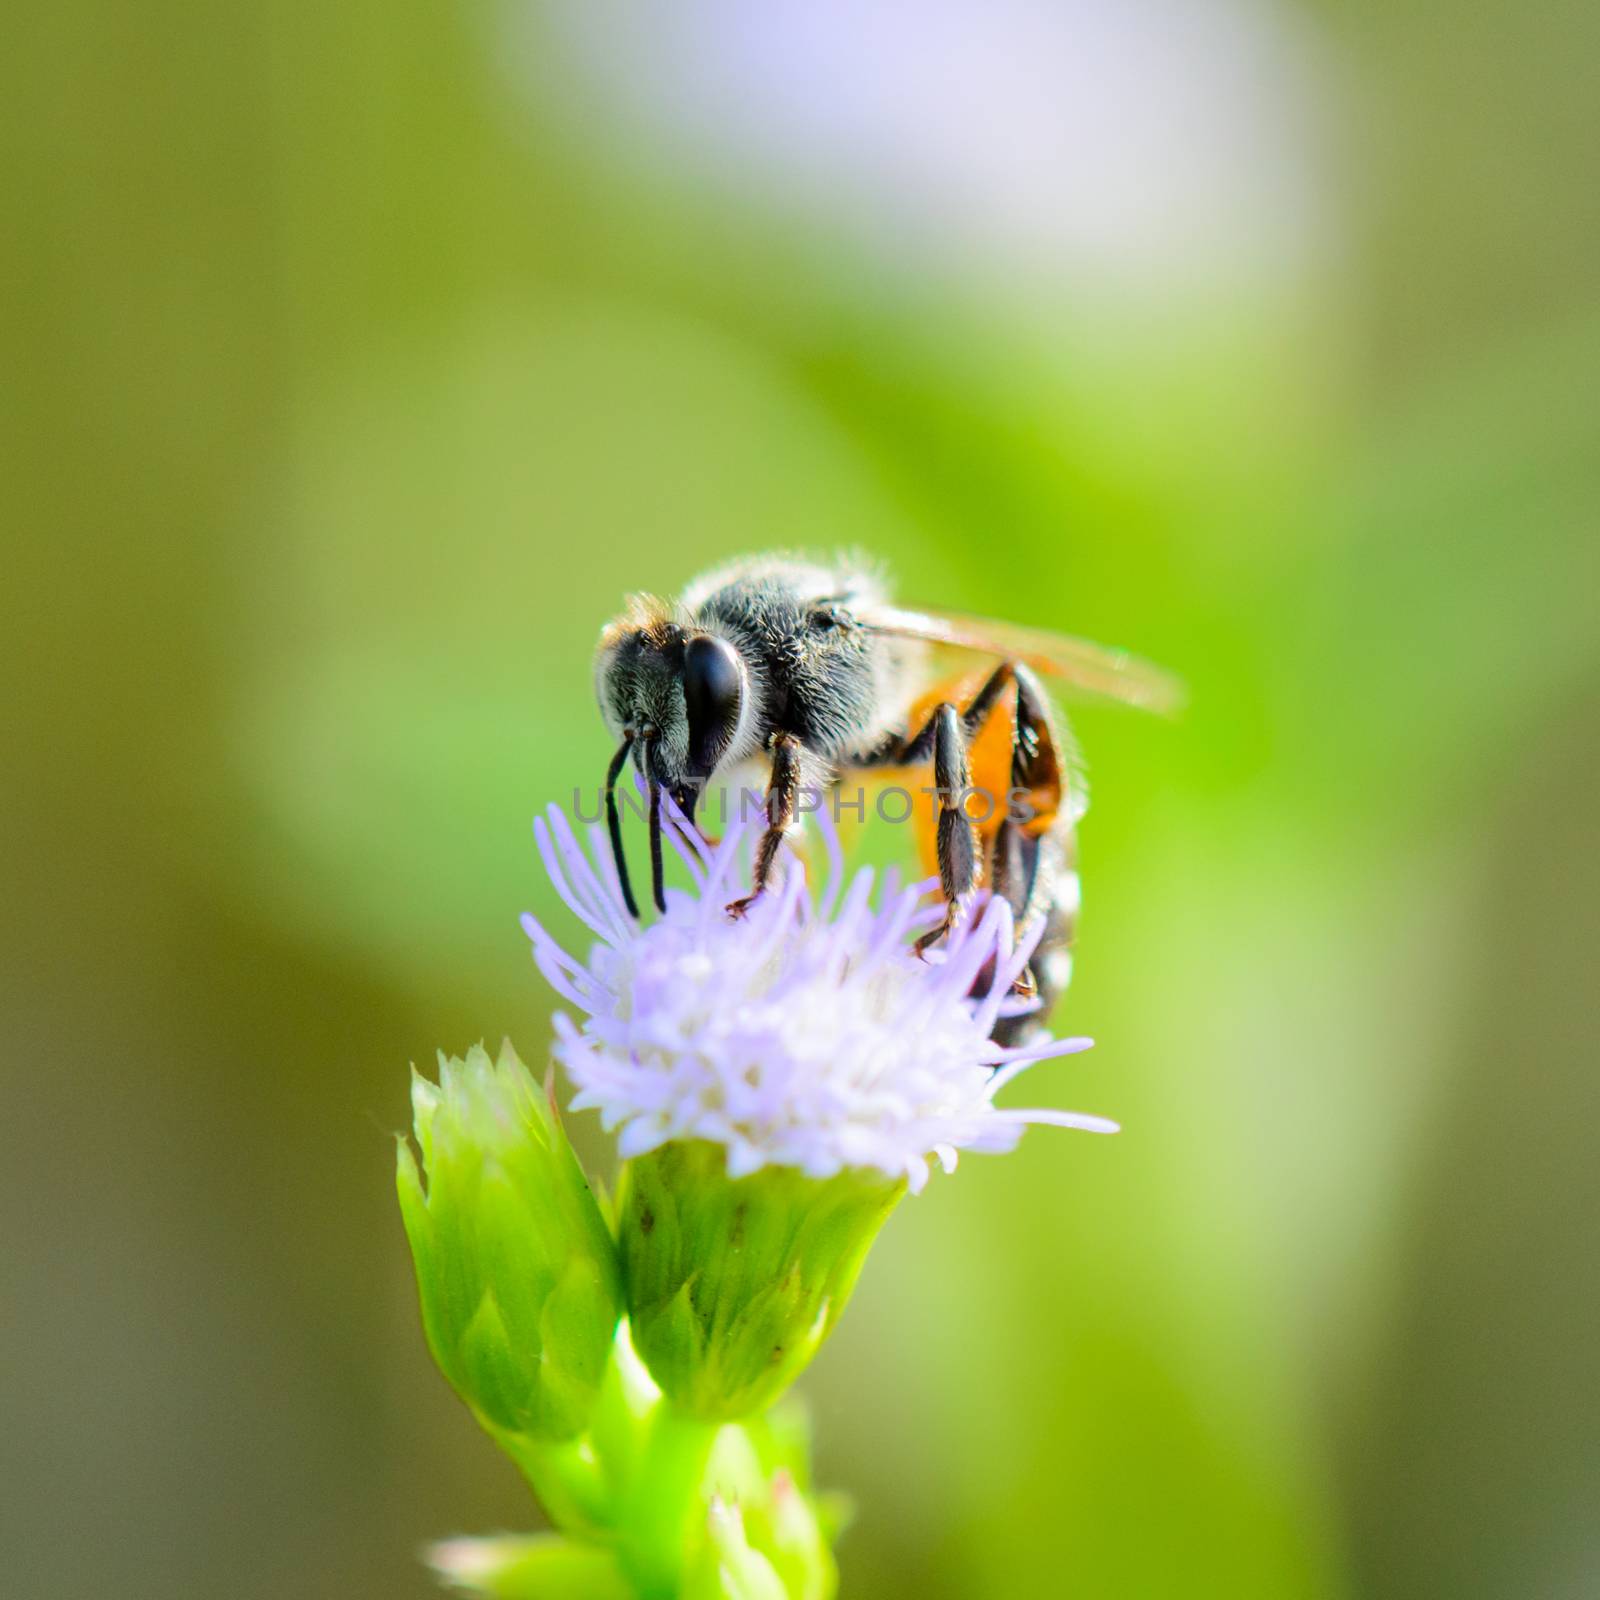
[358, 358]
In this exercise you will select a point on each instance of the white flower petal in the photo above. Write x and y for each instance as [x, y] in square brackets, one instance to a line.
[806, 1036]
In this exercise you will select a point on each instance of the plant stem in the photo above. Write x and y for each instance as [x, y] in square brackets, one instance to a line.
[565, 1480]
[655, 1523]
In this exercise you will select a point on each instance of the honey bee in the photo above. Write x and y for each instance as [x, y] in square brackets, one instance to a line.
[809, 670]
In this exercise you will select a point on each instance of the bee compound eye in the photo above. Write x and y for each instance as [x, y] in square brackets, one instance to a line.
[713, 691]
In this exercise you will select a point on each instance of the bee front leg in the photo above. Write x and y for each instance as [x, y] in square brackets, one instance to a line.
[957, 839]
[783, 798]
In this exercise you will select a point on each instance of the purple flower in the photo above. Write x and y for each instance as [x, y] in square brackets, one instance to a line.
[807, 1035]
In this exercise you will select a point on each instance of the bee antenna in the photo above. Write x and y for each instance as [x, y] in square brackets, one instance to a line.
[657, 865]
[614, 823]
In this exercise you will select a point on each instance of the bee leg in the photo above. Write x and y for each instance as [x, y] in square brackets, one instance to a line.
[1014, 877]
[945, 736]
[1016, 856]
[957, 839]
[783, 797]
[909, 752]
[1030, 734]
[1035, 868]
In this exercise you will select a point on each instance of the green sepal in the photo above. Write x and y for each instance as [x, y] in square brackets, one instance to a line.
[734, 1283]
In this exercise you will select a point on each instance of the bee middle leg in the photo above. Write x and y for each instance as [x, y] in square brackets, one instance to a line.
[944, 736]
[957, 839]
[919, 746]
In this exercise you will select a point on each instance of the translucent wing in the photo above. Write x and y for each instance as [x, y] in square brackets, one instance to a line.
[1092, 668]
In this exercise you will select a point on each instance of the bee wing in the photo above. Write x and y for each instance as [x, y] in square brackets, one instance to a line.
[1091, 668]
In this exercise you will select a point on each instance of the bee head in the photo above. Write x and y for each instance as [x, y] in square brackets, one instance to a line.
[675, 696]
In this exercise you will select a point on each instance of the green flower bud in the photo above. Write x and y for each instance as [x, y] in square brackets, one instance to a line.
[762, 1469]
[733, 1283]
[732, 1568]
[516, 1270]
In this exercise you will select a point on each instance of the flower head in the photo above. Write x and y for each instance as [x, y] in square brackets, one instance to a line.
[807, 1035]
[779, 1083]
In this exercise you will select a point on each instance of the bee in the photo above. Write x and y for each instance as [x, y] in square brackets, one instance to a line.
[811, 671]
